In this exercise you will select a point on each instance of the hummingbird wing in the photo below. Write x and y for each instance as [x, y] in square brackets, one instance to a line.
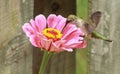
[93, 21]
[95, 18]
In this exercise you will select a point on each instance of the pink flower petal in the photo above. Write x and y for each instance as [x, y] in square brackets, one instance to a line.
[61, 24]
[54, 48]
[51, 20]
[28, 29]
[33, 24]
[41, 36]
[35, 41]
[82, 45]
[68, 30]
[46, 44]
[72, 42]
[68, 49]
[57, 22]
[59, 43]
[75, 35]
[40, 22]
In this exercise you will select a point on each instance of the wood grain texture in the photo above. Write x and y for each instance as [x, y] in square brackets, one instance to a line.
[15, 50]
[105, 57]
[63, 63]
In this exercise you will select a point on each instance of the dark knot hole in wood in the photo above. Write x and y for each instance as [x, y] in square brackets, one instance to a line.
[55, 6]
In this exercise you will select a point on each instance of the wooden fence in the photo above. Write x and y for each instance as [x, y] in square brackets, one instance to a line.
[17, 56]
[105, 57]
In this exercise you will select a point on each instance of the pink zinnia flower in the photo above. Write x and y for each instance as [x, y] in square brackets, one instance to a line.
[54, 34]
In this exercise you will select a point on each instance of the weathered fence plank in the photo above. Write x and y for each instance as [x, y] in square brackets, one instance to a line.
[105, 57]
[15, 50]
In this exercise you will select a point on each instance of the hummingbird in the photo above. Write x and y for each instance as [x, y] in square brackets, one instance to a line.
[88, 26]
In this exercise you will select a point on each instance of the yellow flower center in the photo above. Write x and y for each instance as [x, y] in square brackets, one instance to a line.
[52, 33]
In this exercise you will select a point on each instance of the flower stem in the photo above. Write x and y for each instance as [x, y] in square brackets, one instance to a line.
[45, 59]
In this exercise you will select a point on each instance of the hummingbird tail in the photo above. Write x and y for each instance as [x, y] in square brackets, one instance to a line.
[108, 40]
[98, 35]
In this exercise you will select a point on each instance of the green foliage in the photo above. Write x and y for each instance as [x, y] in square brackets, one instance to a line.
[81, 55]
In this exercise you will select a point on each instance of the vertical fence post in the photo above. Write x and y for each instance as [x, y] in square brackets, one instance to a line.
[82, 54]
[105, 57]
[15, 50]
